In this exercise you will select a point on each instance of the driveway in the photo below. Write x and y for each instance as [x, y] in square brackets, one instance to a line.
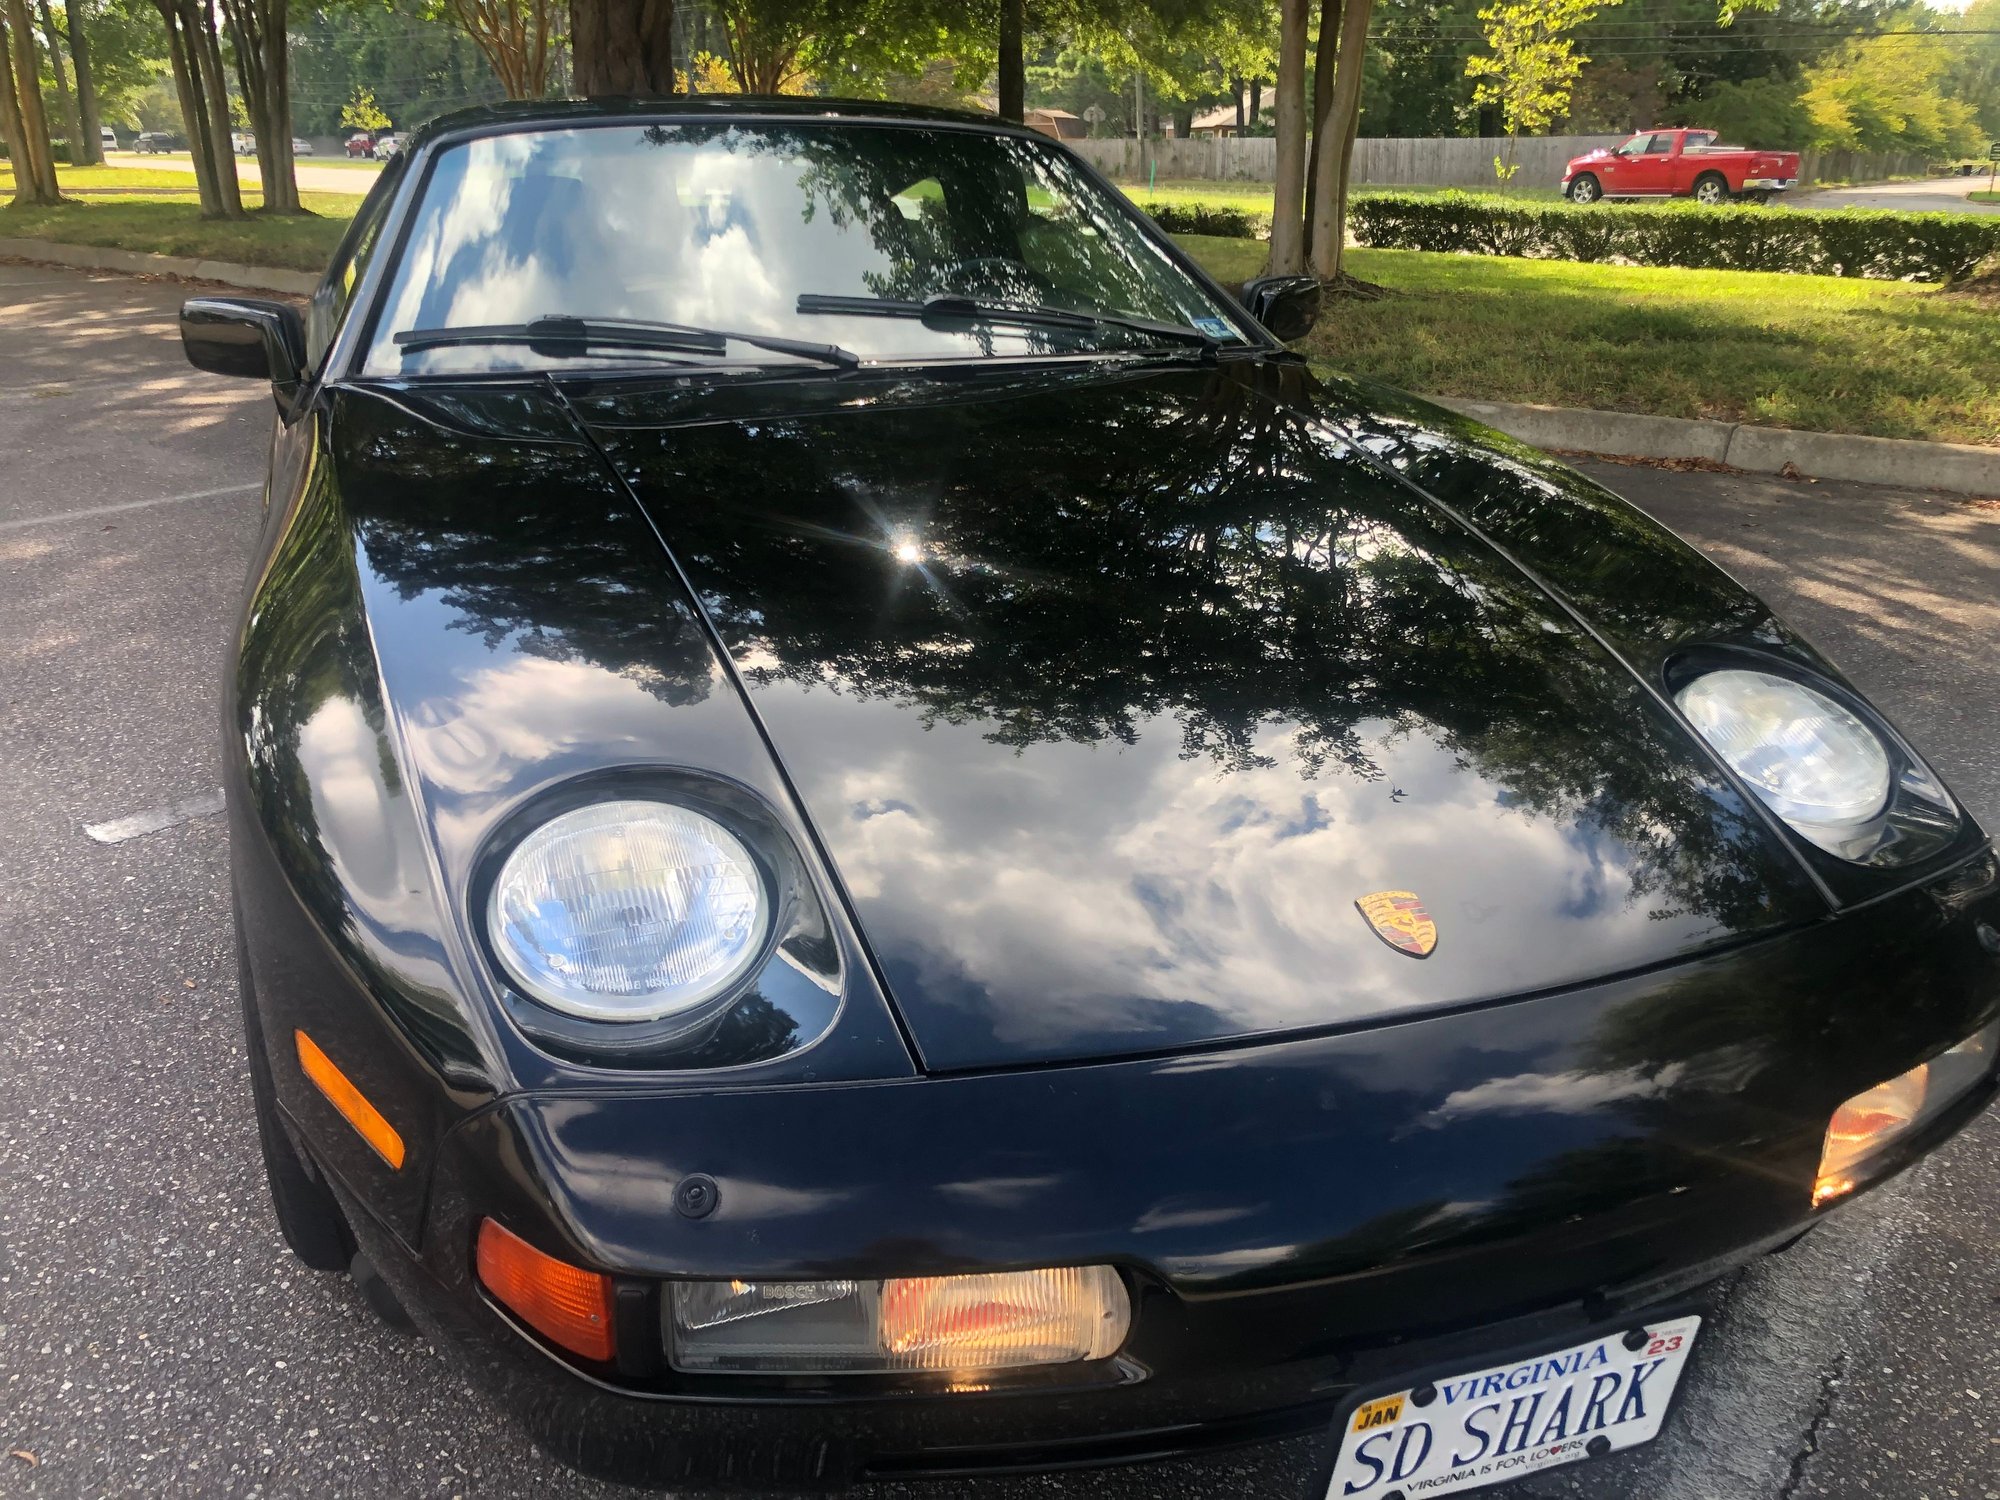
[1929, 195]
[312, 177]
[155, 1338]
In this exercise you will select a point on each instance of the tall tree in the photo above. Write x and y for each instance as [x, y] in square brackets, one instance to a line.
[65, 101]
[76, 24]
[1288, 236]
[1334, 134]
[516, 37]
[258, 31]
[622, 46]
[195, 55]
[1531, 67]
[33, 157]
[1013, 91]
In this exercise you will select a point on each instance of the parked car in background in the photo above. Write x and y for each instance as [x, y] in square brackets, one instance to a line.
[243, 143]
[1680, 164]
[388, 144]
[107, 138]
[301, 146]
[361, 144]
[157, 142]
[1100, 894]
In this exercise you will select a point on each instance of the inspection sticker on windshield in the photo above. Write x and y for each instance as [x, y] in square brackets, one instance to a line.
[1489, 1426]
[1215, 328]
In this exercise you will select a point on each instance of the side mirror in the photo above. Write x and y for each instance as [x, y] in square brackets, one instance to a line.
[1287, 305]
[246, 336]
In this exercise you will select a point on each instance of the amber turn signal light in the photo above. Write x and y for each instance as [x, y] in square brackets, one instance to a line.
[1865, 1127]
[349, 1100]
[566, 1304]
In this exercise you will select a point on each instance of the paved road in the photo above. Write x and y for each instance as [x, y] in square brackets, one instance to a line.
[155, 1339]
[1929, 195]
[312, 178]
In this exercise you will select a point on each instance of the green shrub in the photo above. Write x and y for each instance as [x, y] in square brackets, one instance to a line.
[1208, 218]
[58, 148]
[1881, 244]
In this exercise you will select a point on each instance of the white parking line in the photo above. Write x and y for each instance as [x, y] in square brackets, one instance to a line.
[118, 830]
[111, 510]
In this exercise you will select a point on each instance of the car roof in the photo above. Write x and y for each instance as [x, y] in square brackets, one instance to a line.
[532, 113]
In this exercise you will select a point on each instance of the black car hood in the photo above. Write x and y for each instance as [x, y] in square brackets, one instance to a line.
[1111, 692]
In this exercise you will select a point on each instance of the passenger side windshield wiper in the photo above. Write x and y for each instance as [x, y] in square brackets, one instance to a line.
[948, 309]
[562, 336]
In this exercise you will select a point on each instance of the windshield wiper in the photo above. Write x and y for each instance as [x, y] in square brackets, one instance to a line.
[561, 335]
[948, 309]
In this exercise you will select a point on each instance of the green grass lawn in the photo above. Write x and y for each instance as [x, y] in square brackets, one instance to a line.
[143, 216]
[1982, 196]
[1830, 354]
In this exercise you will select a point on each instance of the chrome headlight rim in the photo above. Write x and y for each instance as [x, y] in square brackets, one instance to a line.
[794, 921]
[1919, 818]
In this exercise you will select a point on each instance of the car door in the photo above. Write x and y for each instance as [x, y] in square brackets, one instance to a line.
[1651, 171]
[1613, 171]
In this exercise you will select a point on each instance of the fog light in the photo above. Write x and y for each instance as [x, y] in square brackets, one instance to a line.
[993, 1321]
[1874, 1119]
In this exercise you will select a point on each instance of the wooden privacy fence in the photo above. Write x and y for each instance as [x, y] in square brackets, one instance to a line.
[1436, 161]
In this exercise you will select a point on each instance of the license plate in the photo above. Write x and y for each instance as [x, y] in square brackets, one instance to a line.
[1497, 1424]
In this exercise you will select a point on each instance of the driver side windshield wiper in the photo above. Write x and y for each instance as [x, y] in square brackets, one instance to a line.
[949, 309]
[561, 335]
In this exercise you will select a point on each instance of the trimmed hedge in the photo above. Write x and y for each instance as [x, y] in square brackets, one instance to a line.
[1881, 244]
[1203, 218]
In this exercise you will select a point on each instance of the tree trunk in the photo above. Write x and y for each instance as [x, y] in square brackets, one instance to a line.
[281, 182]
[622, 46]
[216, 90]
[186, 82]
[197, 63]
[1288, 224]
[257, 29]
[78, 13]
[760, 55]
[1325, 65]
[1013, 62]
[36, 162]
[1236, 93]
[1328, 232]
[65, 101]
[11, 129]
[1257, 98]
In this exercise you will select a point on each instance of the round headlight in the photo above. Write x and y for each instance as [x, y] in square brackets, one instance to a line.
[1815, 764]
[628, 911]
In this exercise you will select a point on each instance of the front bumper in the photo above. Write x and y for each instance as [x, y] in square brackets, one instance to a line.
[1300, 1221]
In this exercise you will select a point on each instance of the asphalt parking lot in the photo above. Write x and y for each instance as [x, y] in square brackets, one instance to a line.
[155, 1338]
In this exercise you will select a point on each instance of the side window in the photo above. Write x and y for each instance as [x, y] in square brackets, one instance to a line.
[335, 293]
[1660, 145]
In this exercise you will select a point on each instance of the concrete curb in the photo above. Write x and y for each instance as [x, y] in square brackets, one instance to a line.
[1962, 468]
[145, 263]
[1959, 467]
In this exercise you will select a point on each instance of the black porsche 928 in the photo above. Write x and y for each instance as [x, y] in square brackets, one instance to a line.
[873, 837]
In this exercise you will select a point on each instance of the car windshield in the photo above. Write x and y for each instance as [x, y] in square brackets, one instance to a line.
[895, 242]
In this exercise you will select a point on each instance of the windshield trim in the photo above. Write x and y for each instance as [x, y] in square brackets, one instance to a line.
[357, 334]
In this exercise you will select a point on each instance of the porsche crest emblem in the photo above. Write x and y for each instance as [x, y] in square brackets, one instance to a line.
[1399, 919]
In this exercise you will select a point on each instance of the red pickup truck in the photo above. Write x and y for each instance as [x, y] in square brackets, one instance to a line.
[1680, 164]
